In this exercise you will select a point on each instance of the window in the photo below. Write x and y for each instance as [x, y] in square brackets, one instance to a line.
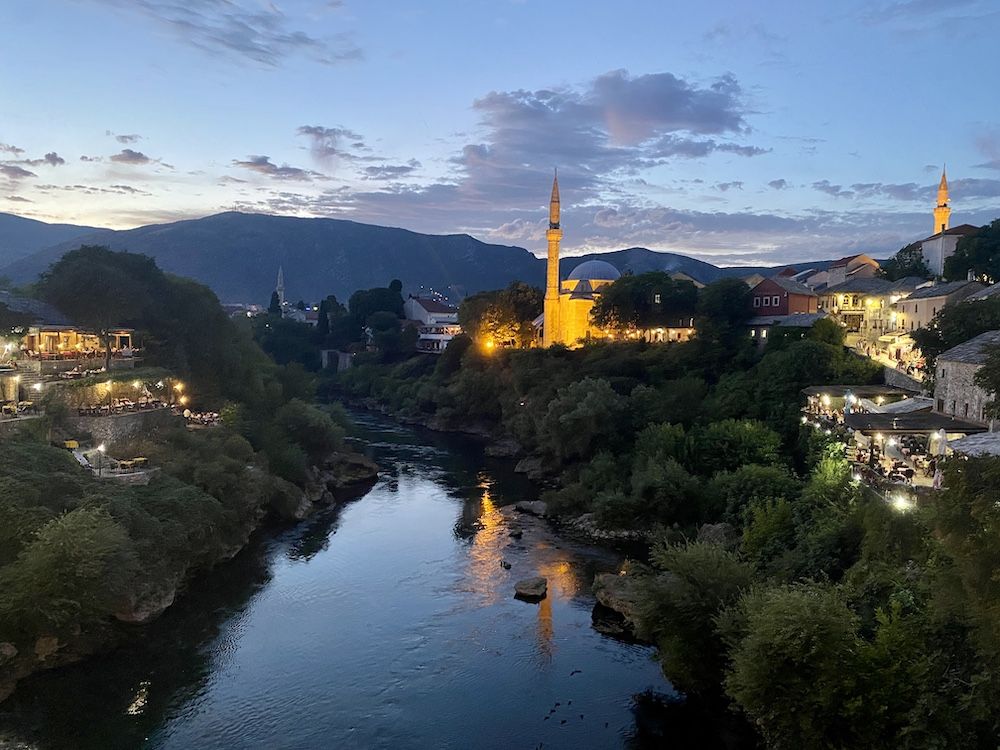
[763, 333]
[656, 298]
[953, 408]
[940, 405]
[965, 409]
[776, 301]
[756, 301]
[753, 333]
[944, 372]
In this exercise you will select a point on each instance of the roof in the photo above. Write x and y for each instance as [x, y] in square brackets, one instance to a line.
[787, 273]
[920, 422]
[795, 320]
[583, 290]
[594, 270]
[939, 290]
[847, 260]
[987, 293]
[792, 287]
[862, 285]
[961, 229]
[861, 391]
[41, 312]
[983, 444]
[434, 306]
[973, 351]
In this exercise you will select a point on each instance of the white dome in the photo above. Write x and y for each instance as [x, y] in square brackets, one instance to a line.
[594, 270]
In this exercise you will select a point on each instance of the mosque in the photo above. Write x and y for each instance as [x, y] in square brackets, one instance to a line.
[566, 315]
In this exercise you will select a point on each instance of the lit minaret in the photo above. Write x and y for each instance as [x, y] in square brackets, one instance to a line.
[550, 330]
[279, 286]
[942, 211]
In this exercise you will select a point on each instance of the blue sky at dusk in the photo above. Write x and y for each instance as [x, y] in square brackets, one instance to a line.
[730, 131]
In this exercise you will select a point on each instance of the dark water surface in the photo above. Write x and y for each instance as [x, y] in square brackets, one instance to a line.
[386, 623]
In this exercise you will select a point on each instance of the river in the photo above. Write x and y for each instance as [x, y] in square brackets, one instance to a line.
[388, 622]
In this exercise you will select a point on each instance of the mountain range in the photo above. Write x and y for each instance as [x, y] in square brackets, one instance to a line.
[238, 256]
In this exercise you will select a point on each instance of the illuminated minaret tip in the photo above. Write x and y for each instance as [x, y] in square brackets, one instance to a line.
[554, 203]
[942, 212]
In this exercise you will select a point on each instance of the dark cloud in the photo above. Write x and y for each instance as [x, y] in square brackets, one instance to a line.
[727, 186]
[128, 156]
[91, 158]
[6, 148]
[93, 189]
[51, 158]
[13, 172]
[390, 171]
[18, 199]
[781, 184]
[837, 191]
[240, 28]
[263, 165]
[325, 143]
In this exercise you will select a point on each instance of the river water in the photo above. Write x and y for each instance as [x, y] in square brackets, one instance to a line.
[388, 622]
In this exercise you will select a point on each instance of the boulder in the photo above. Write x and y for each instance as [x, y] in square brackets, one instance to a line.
[619, 593]
[531, 589]
[504, 448]
[534, 507]
[7, 652]
[46, 646]
[530, 465]
[716, 533]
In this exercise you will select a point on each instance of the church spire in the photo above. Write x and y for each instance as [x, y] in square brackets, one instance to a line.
[279, 286]
[942, 212]
[554, 203]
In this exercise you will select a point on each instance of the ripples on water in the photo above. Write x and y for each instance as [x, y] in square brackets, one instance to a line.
[389, 622]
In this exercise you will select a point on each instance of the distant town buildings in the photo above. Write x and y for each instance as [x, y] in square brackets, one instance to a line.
[919, 308]
[436, 323]
[782, 296]
[850, 268]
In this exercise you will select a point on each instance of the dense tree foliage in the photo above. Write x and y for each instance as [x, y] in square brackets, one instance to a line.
[908, 261]
[956, 324]
[978, 253]
[503, 317]
[644, 301]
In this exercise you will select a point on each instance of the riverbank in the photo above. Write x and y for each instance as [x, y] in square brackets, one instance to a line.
[107, 557]
[394, 608]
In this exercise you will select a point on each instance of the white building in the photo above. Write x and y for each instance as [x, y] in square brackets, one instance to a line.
[955, 391]
[917, 310]
[436, 322]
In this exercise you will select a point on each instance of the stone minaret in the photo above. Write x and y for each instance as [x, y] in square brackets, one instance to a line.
[279, 286]
[550, 331]
[942, 211]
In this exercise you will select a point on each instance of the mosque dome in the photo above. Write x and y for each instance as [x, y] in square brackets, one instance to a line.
[594, 270]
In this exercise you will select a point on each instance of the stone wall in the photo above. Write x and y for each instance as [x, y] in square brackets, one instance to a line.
[119, 430]
[957, 394]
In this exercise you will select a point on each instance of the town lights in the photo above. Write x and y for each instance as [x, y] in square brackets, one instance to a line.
[805, 420]
[136, 384]
[37, 387]
[178, 386]
[489, 345]
[183, 400]
[902, 504]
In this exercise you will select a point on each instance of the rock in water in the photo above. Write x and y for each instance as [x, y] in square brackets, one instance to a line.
[531, 589]
[534, 507]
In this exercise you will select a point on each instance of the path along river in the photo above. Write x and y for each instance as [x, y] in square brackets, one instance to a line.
[388, 622]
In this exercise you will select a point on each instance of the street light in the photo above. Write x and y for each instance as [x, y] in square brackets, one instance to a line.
[100, 464]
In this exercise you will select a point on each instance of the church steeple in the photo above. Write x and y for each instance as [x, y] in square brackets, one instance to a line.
[279, 286]
[554, 203]
[942, 212]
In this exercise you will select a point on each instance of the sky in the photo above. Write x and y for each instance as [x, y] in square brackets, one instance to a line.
[735, 132]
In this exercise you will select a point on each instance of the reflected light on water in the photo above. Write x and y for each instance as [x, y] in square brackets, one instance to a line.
[488, 545]
[139, 701]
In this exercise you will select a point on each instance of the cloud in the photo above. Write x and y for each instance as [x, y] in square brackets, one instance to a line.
[325, 142]
[6, 148]
[51, 158]
[18, 199]
[263, 165]
[781, 184]
[128, 156]
[130, 138]
[91, 158]
[13, 172]
[241, 29]
[727, 186]
[837, 191]
[390, 171]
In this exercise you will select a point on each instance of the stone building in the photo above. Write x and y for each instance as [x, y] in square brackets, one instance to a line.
[955, 391]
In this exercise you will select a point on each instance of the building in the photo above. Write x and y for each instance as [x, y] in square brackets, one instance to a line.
[941, 245]
[762, 325]
[955, 391]
[984, 294]
[753, 279]
[851, 267]
[436, 322]
[566, 314]
[864, 305]
[781, 296]
[919, 308]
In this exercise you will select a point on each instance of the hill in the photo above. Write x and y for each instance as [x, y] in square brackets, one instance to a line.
[238, 256]
[20, 237]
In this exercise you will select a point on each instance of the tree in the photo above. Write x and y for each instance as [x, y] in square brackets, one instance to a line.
[828, 331]
[100, 289]
[795, 667]
[908, 261]
[503, 317]
[988, 378]
[644, 301]
[365, 302]
[583, 417]
[732, 443]
[274, 307]
[12, 322]
[979, 253]
[956, 324]
[679, 609]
